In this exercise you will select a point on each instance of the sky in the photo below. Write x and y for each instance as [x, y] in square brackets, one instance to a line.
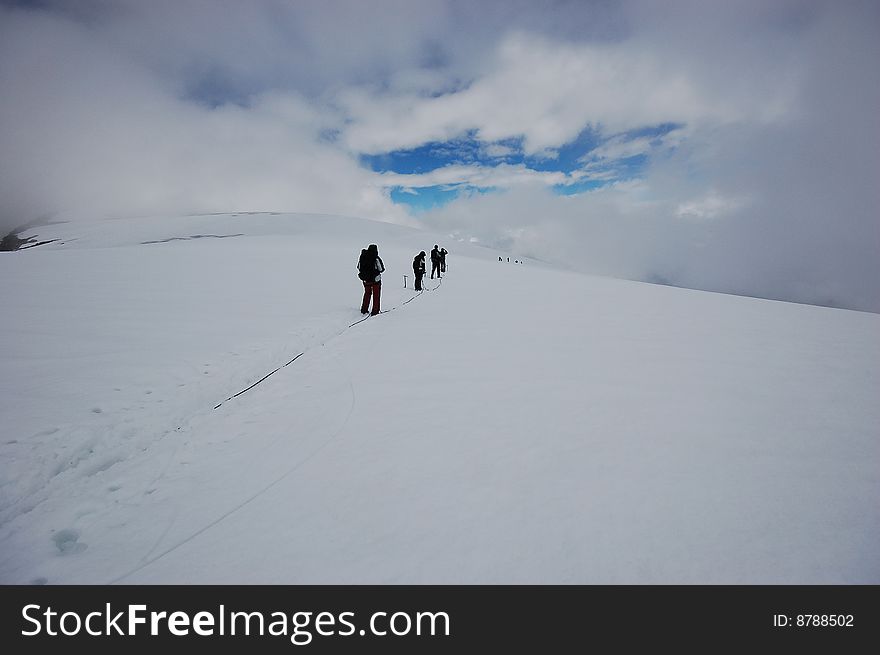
[724, 146]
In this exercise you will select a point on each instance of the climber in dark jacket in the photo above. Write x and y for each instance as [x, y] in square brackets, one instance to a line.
[370, 269]
[419, 269]
[435, 262]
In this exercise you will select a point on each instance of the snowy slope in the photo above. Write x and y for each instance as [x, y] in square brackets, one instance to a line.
[515, 424]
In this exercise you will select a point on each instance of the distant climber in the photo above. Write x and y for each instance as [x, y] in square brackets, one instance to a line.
[443, 253]
[419, 269]
[435, 261]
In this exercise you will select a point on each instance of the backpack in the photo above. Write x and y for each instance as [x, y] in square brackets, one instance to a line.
[367, 267]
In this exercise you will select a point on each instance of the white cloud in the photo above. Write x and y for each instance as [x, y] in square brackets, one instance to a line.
[502, 175]
[83, 131]
[547, 92]
[622, 146]
[712, 205]
[498, 151]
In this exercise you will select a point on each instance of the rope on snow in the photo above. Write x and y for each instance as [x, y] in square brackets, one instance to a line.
[236, 395]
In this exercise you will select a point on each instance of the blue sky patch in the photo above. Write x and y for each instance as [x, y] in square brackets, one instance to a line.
[469, 150]
[578, 187]
[437, 154]
[566, 159]
[425, 198]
